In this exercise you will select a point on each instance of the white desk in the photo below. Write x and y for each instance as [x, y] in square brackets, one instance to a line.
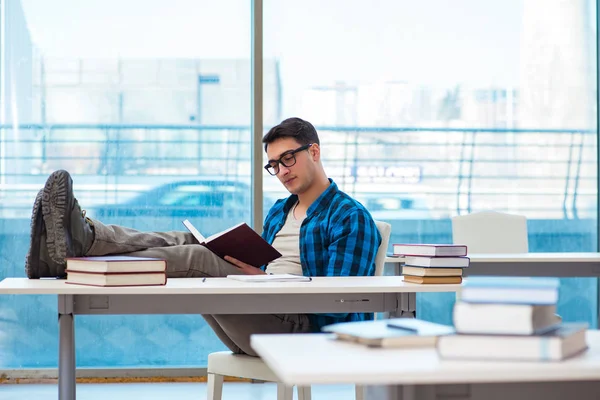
[213, 296]
[530, 264]
[318, 359]
[523, 264]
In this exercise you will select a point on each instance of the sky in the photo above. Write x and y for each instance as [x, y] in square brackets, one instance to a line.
[474, 44]
[317, 41]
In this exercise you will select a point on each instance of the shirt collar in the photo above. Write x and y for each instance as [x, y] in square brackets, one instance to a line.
[323, 199]
[318, 204]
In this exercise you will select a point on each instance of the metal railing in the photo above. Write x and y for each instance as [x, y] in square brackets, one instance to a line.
[437, 171]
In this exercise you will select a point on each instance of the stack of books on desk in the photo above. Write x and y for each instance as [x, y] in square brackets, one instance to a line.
[116, 271]
[433, 263]
[510, 318]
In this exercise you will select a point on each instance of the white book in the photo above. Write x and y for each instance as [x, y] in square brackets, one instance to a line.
[270, 278]
[566, 341]
[437, 262]
[504, 319]
[514, 290]
[509, 295]
[116, 279]
[424, 271]
[115, 264]
[432, 250]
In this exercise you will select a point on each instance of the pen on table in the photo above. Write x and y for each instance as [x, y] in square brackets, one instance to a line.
[309, 277]
[404, 328]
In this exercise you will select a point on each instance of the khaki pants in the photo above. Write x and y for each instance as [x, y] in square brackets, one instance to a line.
[187, 259]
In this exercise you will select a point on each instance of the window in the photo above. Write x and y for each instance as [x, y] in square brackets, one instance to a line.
[432, 109]
[425, 110]
[147, 104]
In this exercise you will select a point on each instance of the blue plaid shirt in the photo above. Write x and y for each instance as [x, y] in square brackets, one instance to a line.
[338, 237]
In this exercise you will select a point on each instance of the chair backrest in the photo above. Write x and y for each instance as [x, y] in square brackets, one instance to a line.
[385, 231]
[491, 232]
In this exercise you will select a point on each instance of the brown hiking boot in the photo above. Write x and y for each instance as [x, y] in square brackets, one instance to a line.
[37, 261]
[68, 232]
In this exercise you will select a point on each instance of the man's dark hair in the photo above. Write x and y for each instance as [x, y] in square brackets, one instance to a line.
[300, 130]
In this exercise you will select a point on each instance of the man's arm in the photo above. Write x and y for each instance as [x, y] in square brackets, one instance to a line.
[353, 250]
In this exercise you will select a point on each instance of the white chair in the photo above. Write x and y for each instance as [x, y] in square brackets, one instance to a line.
[491, 232]
[226, 363]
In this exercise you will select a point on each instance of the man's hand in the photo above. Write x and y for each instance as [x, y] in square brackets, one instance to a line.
[246, 268]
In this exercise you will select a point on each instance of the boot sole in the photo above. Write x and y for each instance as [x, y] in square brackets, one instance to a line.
[57, 216]
[32, 260]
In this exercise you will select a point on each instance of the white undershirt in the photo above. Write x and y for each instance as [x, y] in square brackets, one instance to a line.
[287, 242]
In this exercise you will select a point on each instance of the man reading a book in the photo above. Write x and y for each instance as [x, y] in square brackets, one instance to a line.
[318, 229]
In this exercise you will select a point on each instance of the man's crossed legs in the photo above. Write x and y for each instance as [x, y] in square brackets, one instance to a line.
[60, 229]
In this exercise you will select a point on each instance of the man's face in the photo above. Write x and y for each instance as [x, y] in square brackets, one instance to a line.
[298, 177]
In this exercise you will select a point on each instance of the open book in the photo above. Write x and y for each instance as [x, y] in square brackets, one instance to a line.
[239, 242]
[270, 278]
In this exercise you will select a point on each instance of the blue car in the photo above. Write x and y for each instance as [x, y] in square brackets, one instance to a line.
[204, 198]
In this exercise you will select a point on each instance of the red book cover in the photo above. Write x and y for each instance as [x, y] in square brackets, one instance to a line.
[240, 242]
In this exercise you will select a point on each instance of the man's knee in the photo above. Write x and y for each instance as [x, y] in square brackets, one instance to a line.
[185, 261]
[197, 249]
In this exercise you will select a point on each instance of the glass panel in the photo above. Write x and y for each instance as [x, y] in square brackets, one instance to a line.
[431, 109]
[147, 104]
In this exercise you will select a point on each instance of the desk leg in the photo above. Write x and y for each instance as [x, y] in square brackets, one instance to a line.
[380, 392]
[66, 348]
[598, 302]
[390, 392]
[407, 306]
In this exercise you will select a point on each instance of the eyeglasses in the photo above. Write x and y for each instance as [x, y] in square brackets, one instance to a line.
[287, 160]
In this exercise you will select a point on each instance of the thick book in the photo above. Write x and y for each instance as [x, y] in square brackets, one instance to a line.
[425, 271]
[270, 278]
[116, 279]
[437, 262]
[240, 242]
[559, 344]
[111, 264]
[432, 279]
[432, 250]
[504, 319]
[397, 332]
[511, 290]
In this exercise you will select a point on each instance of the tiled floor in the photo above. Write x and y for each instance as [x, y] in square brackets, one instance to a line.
[166, 391]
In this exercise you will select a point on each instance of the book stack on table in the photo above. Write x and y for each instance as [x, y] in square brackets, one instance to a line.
[511, 318]
[116, 271]
[433, 263]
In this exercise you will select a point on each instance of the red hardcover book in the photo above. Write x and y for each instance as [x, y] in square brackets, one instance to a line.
[116, 279]
[240, 242]
[431, 250]
[116, 264]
